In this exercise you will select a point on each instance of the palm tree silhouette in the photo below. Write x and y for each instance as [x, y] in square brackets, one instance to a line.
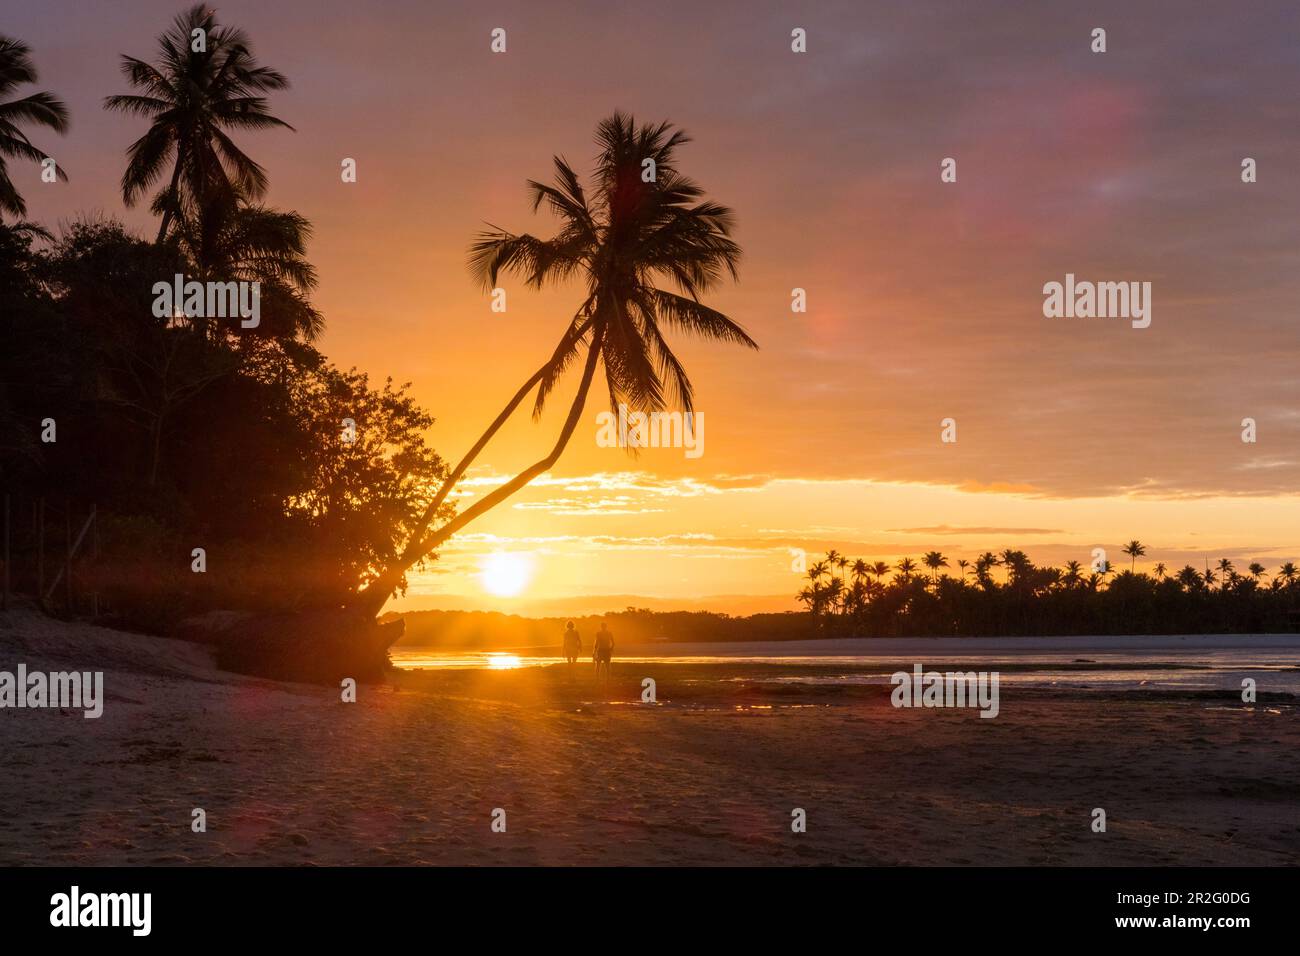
[42, 109]
[228, 238]
[1135, 550]
[1160, 570]
[627, 236]
[934, 561]
[194, 97]
[906, 568]
[1073, 575]
[1229, 574]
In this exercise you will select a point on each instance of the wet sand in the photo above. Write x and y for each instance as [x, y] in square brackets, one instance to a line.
[288, 774]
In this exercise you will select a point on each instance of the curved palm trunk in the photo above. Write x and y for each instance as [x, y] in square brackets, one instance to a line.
[167, 213]
[372, 598]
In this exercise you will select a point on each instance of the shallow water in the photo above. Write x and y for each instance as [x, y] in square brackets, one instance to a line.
[1155, 663]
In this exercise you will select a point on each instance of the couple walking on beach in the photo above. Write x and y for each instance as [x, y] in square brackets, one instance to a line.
[602, 650]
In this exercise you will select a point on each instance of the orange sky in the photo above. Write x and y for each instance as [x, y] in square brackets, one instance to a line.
[924, 298]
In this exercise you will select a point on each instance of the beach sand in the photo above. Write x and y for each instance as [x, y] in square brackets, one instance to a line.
[288, 774]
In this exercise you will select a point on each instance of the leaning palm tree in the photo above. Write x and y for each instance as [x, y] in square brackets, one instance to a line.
[40, 109]
[204, 86]
[625, 239]
[1135, 550]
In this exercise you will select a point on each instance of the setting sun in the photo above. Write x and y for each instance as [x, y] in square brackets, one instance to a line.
[505, 574]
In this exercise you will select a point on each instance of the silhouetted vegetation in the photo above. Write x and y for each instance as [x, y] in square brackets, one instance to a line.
[853, 597]
[187, 429]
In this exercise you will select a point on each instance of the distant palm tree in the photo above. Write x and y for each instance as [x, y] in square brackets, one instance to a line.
[906, 568]
[1161, 570]
[1287, 574]
[628, 235]
[983, 564]
[1135, 549]
[1229, 574]
[860, 570]
[934, 561]
[1256, 570]
[880, 569]
[1189, 578]
[194, 98]
[963, 564]
[40, 109]
[1073, 575]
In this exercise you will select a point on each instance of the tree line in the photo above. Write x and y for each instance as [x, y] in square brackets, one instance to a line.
[1007, 594]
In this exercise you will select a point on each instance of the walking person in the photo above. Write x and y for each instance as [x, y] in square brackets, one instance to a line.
[602, 651]
[572, 644]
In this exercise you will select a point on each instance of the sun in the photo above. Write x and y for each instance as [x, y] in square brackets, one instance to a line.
[506, 573]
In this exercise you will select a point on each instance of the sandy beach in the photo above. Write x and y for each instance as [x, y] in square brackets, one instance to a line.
[288, 774]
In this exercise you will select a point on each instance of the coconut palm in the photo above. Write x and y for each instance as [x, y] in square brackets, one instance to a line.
[963, 564]
[195, 98]
[860, 570]
[1135, 550]
[622, 241]
[39, 109]
[1256, 570]
[229, 239]
[1073, 575]
[1287, 574]
[1227, 571]
[1160, 570]
[906, 568]
[934, 561]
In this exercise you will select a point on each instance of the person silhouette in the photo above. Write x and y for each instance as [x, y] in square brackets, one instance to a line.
[572, 644]
[602, 651]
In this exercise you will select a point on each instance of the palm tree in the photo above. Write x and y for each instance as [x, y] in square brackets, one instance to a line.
[860, 570]
[934, 561]
[229, 239]
[963, 564]
[1287, 574]
[41, 109]
[623, 239]
[194, 99]
[1188, 578]
[1135, 550]
[983, 564]
[1073, 575]
[1160, 570]
[906, 568]
[1256, 570]
[1229, 574]
[880, 569]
